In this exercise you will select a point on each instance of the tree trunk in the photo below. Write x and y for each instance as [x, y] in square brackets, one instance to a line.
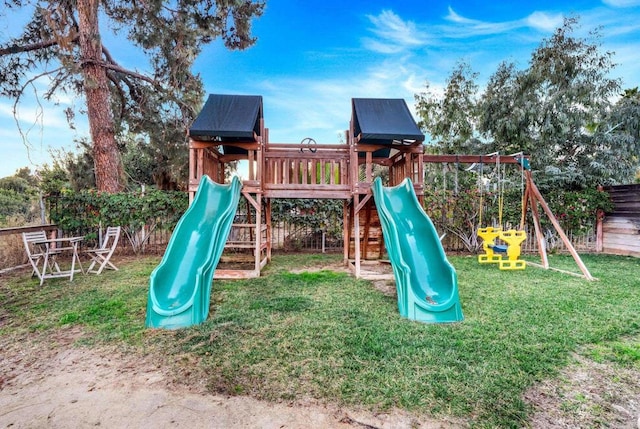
[108, 166]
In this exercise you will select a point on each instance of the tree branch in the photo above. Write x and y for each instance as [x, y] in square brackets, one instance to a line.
[22, 133]
[117, 68]
[17, 49]
[108, 55]
[110, 64]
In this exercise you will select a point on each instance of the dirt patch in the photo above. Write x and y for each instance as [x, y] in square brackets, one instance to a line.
[587, 394]
[386, 286]
[55, 384]
[337, 267]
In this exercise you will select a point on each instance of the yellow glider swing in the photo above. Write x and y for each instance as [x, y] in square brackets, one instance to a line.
[493, 252]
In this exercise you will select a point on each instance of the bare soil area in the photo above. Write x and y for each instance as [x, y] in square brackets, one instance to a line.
[54, 384]
[588, 394]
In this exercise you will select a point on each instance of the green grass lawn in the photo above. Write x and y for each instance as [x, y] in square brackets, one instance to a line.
[326, 335]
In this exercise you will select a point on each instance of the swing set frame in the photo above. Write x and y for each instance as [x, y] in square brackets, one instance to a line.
[530, 200]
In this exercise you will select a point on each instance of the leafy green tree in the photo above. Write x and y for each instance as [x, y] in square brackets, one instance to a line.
[163, 163]
[26, 174]
[548, 109]
[620, 135]
[12, 204]
[163, 166]
[18, 198]
[77, 166]
[506, 112]
[451, 119]
[15, 183]
[140, 161]
[53, 179]
[63, 43]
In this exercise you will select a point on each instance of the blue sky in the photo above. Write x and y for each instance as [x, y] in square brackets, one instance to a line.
[313, 56]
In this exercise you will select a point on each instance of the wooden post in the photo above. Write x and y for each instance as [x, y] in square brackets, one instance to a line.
[353, 151]
[599, 231]
[556, 225]
[263, 140]
[542, 245]
[355, 189]
[258, 248]
[367, 226]
[346, 231]
[268, 219]
[525, 203]
[251, 160]
[249, 220]
[420, 178]
[356, 234]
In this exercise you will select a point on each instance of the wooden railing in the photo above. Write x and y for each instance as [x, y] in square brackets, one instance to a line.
[12, 254]
[302, 171]
[20, 229]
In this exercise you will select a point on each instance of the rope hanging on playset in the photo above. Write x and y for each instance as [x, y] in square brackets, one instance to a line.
[481, 185]
[443, 215]
[523, 206]
[501, 173]
[500, 191]
[457, 164]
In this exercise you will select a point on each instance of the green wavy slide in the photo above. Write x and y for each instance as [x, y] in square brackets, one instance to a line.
[427, 284]
[180, 286]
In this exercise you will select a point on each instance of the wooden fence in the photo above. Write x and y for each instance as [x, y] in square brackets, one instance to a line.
[620, 229]
[12, 254]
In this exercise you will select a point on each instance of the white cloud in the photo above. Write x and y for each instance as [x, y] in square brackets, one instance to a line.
[628, 68]
[471, 27]
[30, 116]
[458, 19]
[393, 34]
[540, 21]
[6, 110]
[544, 21]
[308, 108]
[381, 47]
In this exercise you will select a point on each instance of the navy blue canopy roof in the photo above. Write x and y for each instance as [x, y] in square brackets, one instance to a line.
[228, 118]
[384, 121]
[237, 118]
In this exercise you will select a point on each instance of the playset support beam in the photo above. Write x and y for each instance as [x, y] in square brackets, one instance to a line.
[471, 159]
[536, 197]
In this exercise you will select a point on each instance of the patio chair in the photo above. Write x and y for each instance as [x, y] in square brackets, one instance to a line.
[101, 256]
[36, 247]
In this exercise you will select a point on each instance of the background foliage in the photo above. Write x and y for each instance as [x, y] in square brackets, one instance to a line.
[562, 110]
[139, 213]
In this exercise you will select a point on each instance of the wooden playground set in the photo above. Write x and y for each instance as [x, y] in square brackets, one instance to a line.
[382, 133]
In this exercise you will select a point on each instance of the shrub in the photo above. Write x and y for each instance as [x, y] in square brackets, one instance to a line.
[139, 213]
